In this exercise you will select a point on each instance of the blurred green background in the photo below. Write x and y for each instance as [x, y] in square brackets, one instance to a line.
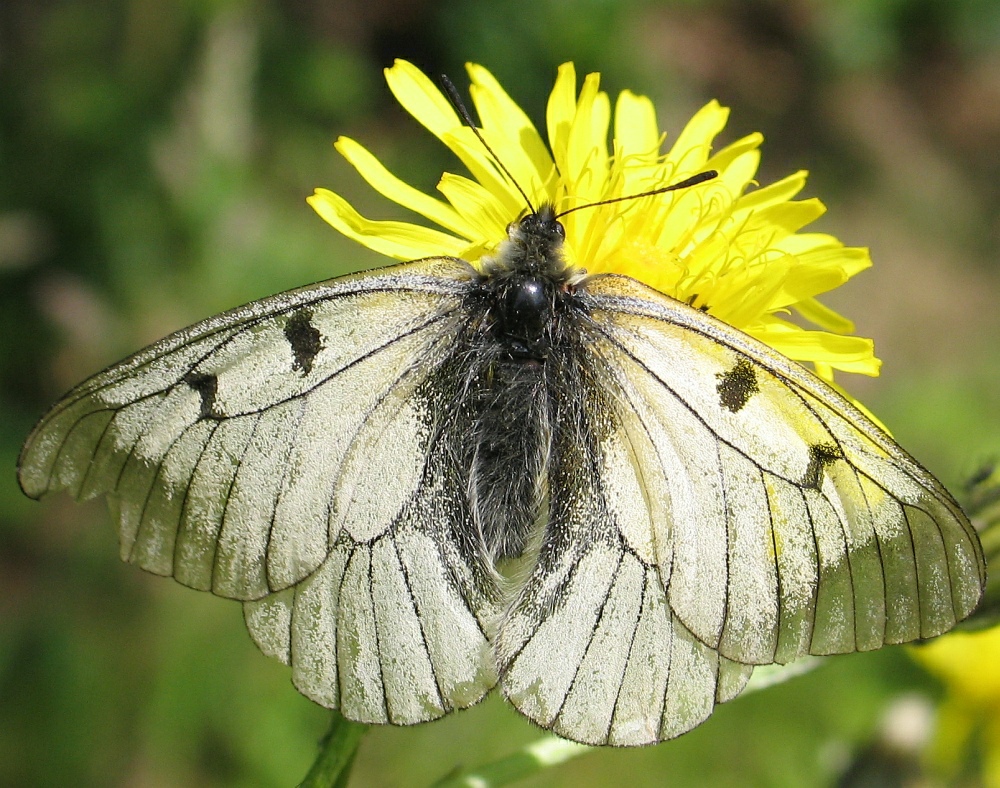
[154, 159]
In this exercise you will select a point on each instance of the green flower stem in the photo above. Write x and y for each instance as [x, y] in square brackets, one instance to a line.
[336, 754]
[531, 759]
[552, 751]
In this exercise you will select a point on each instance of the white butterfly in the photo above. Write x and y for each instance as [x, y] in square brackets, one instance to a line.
[424, 481]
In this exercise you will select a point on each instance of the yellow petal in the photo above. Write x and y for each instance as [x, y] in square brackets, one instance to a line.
[692, 146]
[788, 217]
[586, 164]
[428, 105]
[824, 317]
[725, 157]
[849, 354]
[636, 130]
[969, 662]
[849, 259]
[421, 98]
[802, 282]
[740, 172]
[560, 111]
[486, 215]
[524, 152]
[398, 240]
[387, 184]
[778, 192]
[485, 170]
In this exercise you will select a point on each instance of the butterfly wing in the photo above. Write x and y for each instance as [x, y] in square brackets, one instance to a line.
[393, 626]
[293, 451]
[714, 507]
[590, 648]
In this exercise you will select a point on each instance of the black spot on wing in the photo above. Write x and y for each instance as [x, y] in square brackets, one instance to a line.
[820, 455]
[305, 340]
[207, 387]
[737, 386]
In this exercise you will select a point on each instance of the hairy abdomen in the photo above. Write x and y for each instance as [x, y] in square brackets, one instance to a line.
[508, 454]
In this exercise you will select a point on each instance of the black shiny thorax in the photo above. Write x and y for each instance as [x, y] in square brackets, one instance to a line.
[526, 287]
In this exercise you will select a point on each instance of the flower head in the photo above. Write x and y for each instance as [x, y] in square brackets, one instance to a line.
[968, 664]
[734, 251]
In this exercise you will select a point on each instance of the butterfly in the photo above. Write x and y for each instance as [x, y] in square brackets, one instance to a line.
[430, 479]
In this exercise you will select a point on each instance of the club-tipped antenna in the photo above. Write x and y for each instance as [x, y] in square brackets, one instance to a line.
[459, 106]
[694, 180]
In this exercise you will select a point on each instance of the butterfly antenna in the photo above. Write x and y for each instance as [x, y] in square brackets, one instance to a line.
[694, 180]
[459, 106]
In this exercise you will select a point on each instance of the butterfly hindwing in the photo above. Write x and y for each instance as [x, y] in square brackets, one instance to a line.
[393, 629]
[590, 648]
[395, 625]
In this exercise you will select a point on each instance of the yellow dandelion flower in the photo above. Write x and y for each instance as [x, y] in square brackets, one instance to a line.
[731, 250]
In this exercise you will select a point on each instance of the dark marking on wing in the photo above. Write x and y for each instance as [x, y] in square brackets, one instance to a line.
[305, 340]
[207, 387]
[737, 386]
[820, 455]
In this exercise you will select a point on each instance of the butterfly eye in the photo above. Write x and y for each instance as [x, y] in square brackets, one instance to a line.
[558, 229]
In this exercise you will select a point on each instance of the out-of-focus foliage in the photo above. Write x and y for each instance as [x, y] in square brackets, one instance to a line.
[154, 158]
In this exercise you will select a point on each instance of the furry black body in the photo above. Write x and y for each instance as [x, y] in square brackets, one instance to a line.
[525, 309]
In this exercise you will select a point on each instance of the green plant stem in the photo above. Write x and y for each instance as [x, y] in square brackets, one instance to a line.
[531, 759]
[336, 754]
[551, 751]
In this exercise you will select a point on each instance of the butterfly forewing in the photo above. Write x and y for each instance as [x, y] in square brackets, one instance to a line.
[713, 507]
[798, 526]
[220, 445]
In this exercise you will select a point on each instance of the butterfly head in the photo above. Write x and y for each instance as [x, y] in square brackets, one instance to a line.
[534, 243]
[541, 224]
